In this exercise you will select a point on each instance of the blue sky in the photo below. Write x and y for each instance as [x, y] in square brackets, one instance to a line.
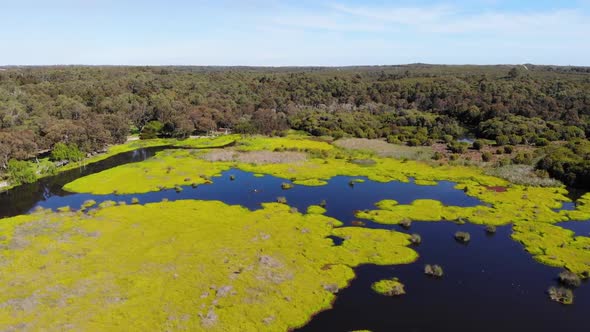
[279, 33]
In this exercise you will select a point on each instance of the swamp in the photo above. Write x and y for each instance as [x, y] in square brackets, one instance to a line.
[253, 233]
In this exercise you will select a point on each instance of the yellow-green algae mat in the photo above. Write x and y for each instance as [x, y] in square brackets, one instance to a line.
[194, 265]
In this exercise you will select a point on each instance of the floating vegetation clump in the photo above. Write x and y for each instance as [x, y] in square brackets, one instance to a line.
[282, 200]
[462, 237]
[433, 270]
[183, 265]
[389, 287]
[286, 185]
[561, 295]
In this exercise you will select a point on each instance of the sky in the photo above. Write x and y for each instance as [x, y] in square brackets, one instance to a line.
[293, 33]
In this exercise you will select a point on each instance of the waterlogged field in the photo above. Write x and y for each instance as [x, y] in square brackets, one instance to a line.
[285, 233]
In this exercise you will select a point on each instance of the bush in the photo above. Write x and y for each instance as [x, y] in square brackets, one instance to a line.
[433, 270]
[462, 237]
[523, 158]
[282, 200]
[286, 186]
[561, 295]
[458, 147]
[486, 156]
[478, 145]
[508, 149]
[414, 142]
[541, 142]
[69, 152]
[437, 156]
[570, 279]
[406, 223]
[448, 138]
[415, 239]
[151, 130]
[20, 171]
[502, 140]
[490, 229]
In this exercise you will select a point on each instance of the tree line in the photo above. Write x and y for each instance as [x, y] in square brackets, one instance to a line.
[91, 107]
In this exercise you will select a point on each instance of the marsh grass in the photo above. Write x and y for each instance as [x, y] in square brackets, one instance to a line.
[522, 174]
[384, 149]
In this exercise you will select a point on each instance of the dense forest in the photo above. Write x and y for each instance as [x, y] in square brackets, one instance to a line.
[74, 110]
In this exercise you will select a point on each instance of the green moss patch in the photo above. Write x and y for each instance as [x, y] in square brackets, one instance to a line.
[555, 246]
[190, 265]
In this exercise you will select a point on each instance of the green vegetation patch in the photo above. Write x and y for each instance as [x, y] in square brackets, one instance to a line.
[555, 246]
[389, 287]
[189, 265]
[504, 205]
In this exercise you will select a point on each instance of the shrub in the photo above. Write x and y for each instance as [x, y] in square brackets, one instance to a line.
[523, 158]
[414, 142]
[478, 145]
[541, 142]
[561, 295]
[433, 270]
[437, 156]
[69, 152]
[282, 200]
[415, 239]
[448, 138]
[486, 156]
[323, 203]
[20, 171]
[406, 223]
[151, 130]
[458, 147]
[490, 229]
[462, 237]
[286, 186]
[508, 149]
[502, 140]
[135, 200]
[570, 279]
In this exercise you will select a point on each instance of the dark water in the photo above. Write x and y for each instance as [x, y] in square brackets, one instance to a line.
[490, 284]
